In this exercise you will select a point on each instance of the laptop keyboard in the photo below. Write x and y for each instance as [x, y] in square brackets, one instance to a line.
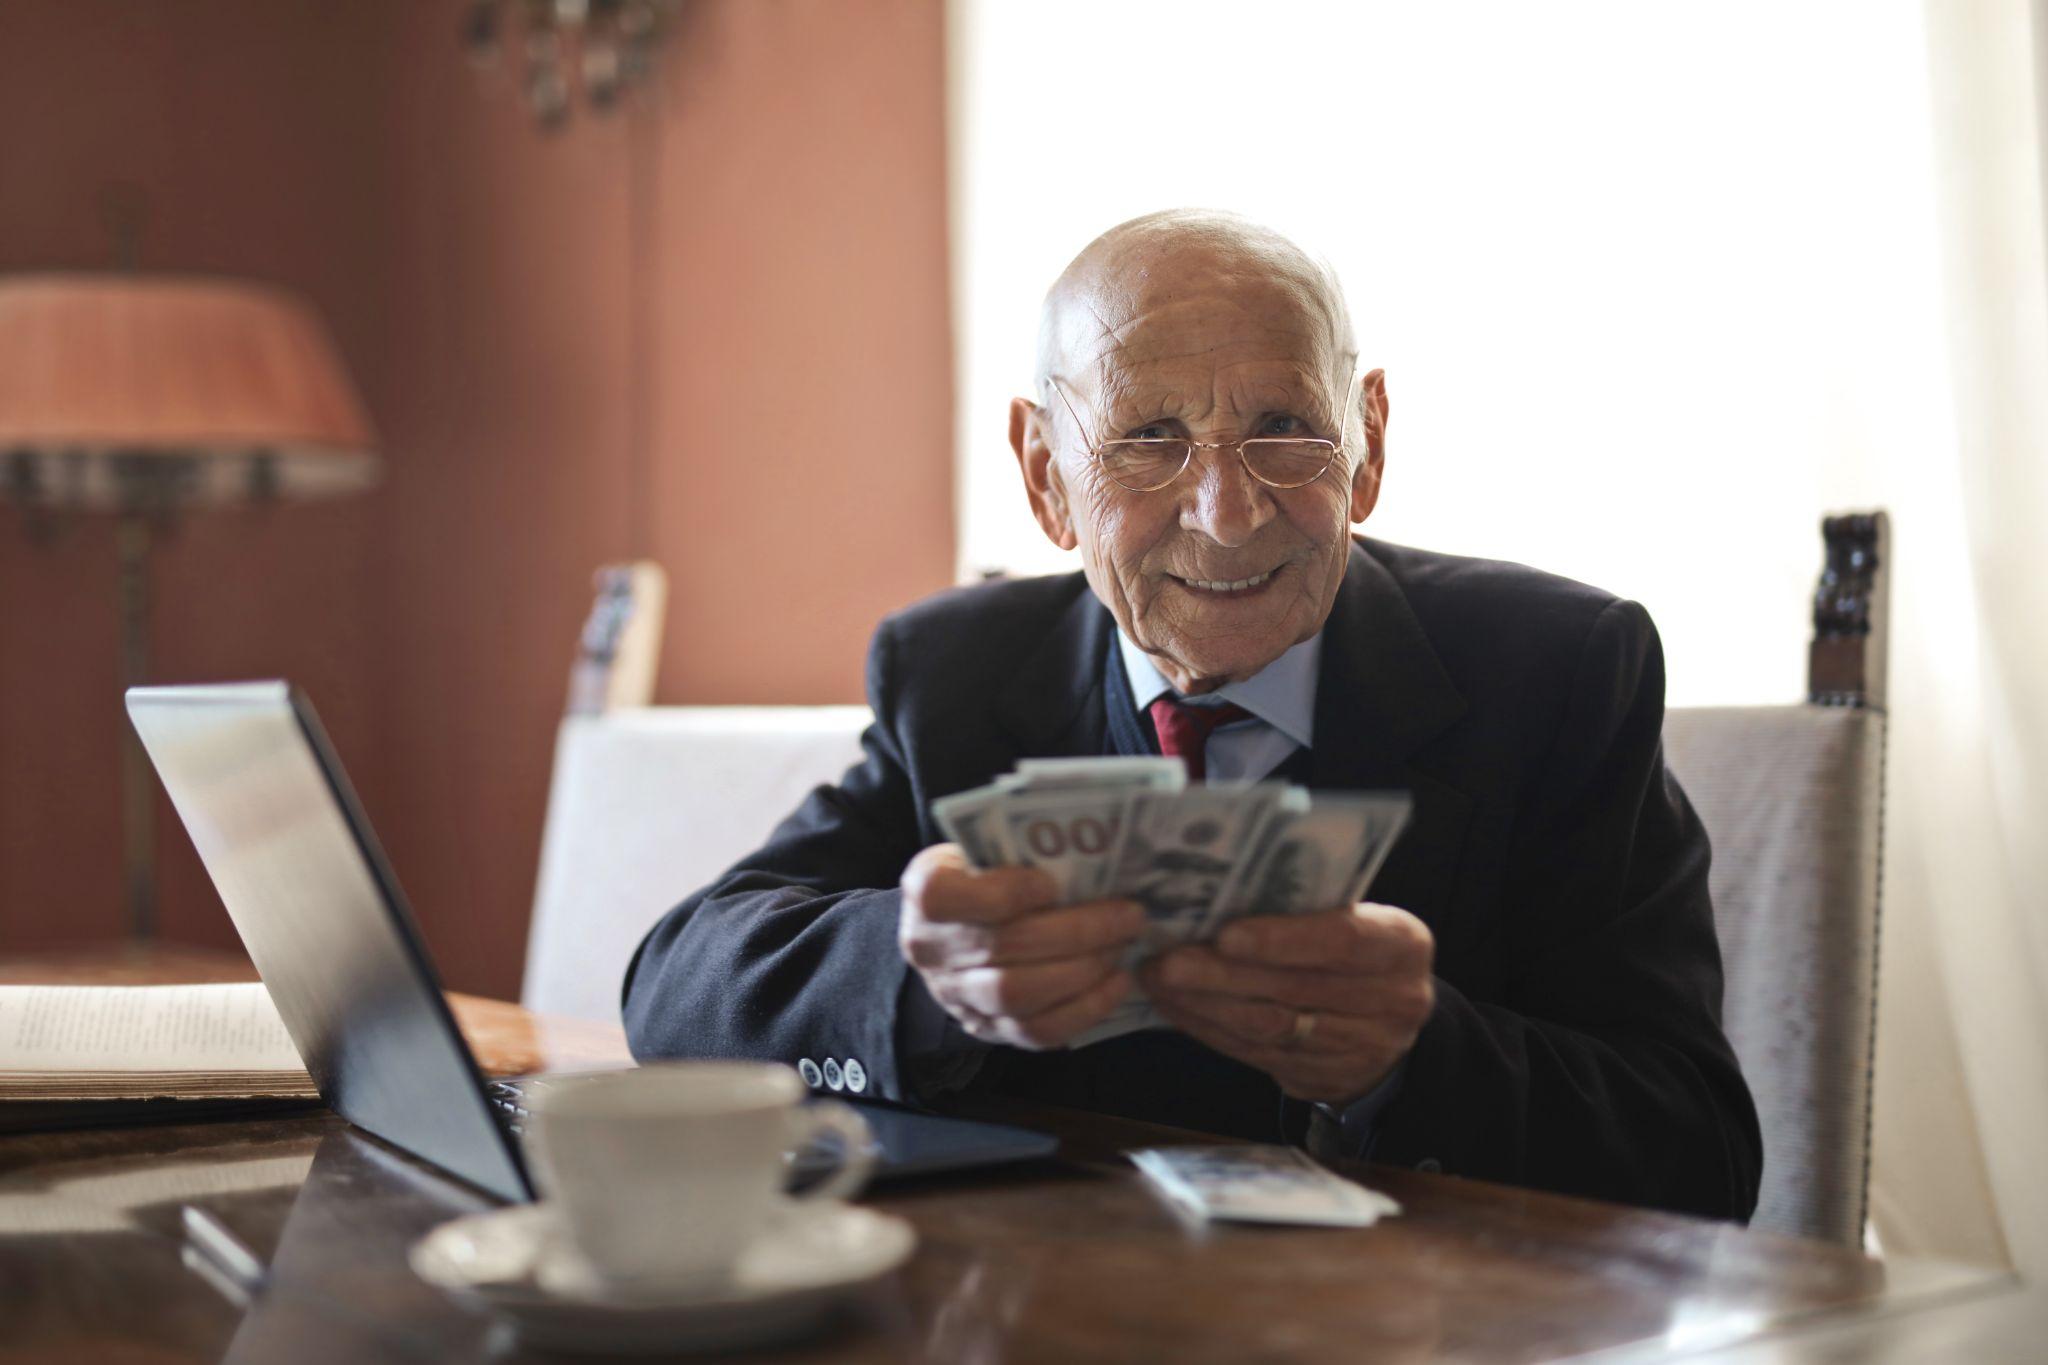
[505, 1097]
[921, 1143]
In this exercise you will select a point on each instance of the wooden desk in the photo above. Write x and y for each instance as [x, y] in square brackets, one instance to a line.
[1072, 1260]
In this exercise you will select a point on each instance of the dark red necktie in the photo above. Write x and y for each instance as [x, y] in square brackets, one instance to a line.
[1184, 730]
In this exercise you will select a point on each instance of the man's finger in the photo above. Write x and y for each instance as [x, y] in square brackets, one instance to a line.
[945, 944]
[1319, 940]
[944, 887]
[1067, 931]
[1364, 937]
[1333, 1077]
[1202, 969]
[1385, 1006]
[1062, 1023]
[1032, 988]
[1262, 1023]
[1326, 1076]
[1390, 939]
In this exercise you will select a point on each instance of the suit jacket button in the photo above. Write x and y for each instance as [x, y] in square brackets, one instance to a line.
[1429, 1165]
[808, 1069]
[834, 1077]
[856, 1076]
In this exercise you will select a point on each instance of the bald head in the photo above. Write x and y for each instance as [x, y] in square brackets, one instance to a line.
[1190, 334]
[1150, 263]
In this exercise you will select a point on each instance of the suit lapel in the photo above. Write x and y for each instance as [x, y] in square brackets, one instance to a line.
[1130, 734]
[1381, 697]
[1053, 707]
[1381, 694]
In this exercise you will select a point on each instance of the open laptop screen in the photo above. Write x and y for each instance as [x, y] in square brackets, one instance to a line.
[279, 829]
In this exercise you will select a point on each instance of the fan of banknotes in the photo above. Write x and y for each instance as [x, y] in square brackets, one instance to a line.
[1196, 857]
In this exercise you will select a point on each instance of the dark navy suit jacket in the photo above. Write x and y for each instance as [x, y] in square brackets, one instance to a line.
[1576, 1042]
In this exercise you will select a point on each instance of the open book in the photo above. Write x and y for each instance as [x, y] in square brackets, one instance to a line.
[90, 1043]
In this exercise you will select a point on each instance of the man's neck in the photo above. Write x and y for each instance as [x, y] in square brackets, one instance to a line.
[1282, 693]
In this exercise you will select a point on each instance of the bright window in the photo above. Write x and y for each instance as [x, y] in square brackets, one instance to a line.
[1655, 286]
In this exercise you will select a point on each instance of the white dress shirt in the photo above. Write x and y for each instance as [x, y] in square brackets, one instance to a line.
[1281, 697]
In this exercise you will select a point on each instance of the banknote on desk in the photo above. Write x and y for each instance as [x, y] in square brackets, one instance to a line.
[1195, 857]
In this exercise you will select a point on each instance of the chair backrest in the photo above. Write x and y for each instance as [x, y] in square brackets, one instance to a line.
[1792, 798]
[619, 651]
[647, 805]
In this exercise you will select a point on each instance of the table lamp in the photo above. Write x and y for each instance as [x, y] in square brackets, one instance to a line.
[139, 397]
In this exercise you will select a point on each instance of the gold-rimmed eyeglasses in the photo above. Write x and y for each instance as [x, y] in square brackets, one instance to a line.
[1149, 464]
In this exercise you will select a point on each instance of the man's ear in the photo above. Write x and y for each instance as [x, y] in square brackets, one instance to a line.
[1365, 480]
[1029, 437]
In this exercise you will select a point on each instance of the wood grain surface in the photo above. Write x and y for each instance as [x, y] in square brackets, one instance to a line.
[1067, 1260]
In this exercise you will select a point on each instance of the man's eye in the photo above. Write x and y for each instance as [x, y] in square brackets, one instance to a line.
[1281, 424]
[1156, 431]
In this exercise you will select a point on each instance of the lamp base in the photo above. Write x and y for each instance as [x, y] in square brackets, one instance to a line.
[138, 799]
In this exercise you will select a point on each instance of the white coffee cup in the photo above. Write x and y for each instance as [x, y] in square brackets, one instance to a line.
[663, 1174]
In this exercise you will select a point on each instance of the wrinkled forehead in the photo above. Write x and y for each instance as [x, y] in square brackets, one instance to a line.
[1146, 317]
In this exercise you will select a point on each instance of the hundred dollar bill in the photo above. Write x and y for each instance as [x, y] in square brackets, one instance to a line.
[1389, 813]
[978, 820]
[1193, 857]
[1179, 850]
[1314, 858]
[1071, 835]
[972, 820]
[1132, 773]
[1307, 856]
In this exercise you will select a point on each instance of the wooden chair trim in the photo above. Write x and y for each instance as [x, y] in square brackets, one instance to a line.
[1848, 665]
[1851, 613]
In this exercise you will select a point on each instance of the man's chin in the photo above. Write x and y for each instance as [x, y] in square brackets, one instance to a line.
[1215, 663]
[1209, 649]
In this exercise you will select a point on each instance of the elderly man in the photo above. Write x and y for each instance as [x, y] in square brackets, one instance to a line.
[1533, 993]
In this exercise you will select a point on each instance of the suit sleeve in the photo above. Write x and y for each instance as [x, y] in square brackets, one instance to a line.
[1601, 1068]
[792, 952]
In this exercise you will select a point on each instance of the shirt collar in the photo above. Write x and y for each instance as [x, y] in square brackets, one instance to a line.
[1282, 694]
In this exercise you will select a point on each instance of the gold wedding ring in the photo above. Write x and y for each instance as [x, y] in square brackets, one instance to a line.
[1304, 1025]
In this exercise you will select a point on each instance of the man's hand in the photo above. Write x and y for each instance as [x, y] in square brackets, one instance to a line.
[1326, 1004]
[1001, 958]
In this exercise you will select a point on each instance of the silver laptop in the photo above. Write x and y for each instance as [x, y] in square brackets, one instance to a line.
[264, 797]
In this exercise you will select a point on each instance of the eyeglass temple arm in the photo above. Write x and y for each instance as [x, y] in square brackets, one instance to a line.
[1068, 403]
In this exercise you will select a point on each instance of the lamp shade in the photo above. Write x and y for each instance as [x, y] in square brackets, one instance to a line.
[119, 390]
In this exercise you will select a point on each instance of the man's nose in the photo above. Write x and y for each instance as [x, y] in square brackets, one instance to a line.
[1222, 499]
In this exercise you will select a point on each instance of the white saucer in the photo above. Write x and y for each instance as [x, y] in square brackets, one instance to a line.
[515, 1262]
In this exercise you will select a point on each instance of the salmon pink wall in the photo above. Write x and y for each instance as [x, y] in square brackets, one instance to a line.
[802, 480]
[240, 129]
[712, 331]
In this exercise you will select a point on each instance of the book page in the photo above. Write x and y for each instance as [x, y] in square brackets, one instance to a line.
[227, 1027]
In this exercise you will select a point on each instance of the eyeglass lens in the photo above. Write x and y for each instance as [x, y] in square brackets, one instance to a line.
[1146, 465]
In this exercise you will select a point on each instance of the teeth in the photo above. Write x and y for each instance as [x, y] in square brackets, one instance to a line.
[1218, 585]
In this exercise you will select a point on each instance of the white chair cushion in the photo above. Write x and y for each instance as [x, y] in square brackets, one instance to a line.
[645, 807]
[1790, 796]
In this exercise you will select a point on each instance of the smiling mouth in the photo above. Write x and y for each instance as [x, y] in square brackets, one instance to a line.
[1214, 587]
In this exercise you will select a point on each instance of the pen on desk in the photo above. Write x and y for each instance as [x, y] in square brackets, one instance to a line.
[223, 1252]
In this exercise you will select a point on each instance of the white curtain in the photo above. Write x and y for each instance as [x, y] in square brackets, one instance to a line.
[1655, 286]
[1970, 731]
